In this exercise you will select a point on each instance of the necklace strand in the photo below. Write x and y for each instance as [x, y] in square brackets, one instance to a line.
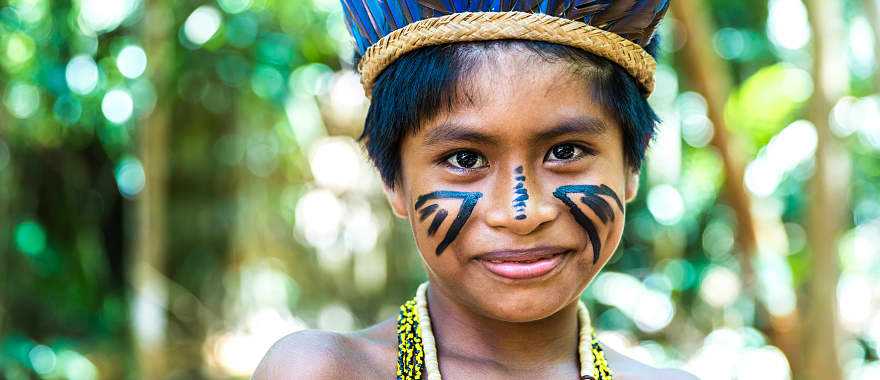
[417, 347]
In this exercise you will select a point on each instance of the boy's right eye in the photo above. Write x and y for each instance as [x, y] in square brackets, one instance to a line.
[466, 159]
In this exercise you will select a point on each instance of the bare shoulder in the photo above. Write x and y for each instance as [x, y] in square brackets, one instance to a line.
[318, 354]
[311, 354]
[627, 368]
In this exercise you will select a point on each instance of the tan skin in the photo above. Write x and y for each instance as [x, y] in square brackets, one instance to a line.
[522, 111]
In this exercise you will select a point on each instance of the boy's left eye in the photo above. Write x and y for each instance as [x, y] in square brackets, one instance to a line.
[565, 152]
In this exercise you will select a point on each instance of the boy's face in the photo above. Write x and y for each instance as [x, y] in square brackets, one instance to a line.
[516, 196]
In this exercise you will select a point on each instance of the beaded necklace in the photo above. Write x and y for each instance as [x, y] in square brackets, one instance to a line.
[417, 350]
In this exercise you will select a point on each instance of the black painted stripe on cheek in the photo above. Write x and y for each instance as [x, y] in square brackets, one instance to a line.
[463, 214]
[599, 206]
[438, 219]
[605, 190]
[592, 199]
[426, 212]
[586, 224]
[469, 201]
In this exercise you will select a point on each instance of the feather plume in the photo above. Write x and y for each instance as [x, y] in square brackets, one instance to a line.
[633, 24]
[635, 20]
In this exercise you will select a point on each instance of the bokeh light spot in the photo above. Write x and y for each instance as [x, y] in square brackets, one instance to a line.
[319, 216]
[720, 287]
[787, 24]
[76, 366]
[234, 6]
[336, 163]
[31, 11]
[336, 317]
[730, 43]
[22, 100]
[649, 309]
[666, 204]
[867, 111]
[117, 106]
[202, 24]
[267, 82]
[81, 74]
[19, 49]
[785, 151]
[130, 177]
[42, 359]
[131, 61]
[718, 240]
[30, 237]
[862, 45]
[766, 362]
[697, 130]
[99, 16]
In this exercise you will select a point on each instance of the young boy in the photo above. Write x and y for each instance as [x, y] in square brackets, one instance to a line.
[511, 141]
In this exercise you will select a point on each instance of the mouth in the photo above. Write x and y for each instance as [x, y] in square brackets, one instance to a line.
[523, 264]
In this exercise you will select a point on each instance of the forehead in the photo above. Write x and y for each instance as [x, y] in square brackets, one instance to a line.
[516, 94]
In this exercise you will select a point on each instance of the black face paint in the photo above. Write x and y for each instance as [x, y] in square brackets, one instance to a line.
[593, 199]
[521, 194]
[468, 202]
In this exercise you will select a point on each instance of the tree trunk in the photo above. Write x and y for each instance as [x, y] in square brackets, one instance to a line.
[150, 298]
[829, 190]
[710, 77]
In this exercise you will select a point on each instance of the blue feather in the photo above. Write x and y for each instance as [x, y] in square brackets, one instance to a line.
[370, 20]
[378, 17]
[476, 5]
[449, 6]
[412, 7]
[460, 5]
[396, 13]
[360, 16]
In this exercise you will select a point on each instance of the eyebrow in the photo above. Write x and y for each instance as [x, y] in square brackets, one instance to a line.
[453, 132]
[577, 125]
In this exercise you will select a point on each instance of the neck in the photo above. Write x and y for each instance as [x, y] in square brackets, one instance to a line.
[519, 346]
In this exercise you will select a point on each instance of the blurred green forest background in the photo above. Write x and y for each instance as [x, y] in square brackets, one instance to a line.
[180, 186]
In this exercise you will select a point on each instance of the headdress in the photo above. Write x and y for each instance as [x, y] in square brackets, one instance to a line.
[617, 30]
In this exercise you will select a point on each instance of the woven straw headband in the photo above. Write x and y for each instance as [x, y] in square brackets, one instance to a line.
[486, 26]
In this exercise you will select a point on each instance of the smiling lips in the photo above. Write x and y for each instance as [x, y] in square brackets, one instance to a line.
[523, 264]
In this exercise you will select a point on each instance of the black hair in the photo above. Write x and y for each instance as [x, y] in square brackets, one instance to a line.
[421, 84]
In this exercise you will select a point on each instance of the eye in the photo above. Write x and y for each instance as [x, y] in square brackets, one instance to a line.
[466, 159]
[565, 152]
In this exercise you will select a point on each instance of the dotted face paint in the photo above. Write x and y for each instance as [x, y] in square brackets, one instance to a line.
[592, 197]
[520, 193]
[468, 202]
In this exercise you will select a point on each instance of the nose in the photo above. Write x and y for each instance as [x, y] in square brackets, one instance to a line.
[519, 203]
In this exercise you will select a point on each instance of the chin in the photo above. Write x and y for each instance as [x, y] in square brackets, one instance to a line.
[523, 306]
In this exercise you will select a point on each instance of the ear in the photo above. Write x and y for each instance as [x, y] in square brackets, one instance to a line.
[397, 200]
[632, 186]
